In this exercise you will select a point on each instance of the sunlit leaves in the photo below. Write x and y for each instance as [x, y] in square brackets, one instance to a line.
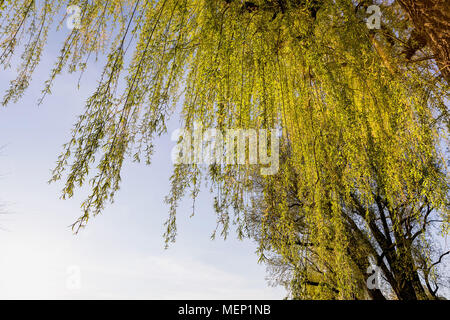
[358, 122]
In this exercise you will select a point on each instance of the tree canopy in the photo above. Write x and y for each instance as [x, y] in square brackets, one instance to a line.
[362, 112]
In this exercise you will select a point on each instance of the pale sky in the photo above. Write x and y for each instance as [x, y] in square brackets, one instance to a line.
[120, 254]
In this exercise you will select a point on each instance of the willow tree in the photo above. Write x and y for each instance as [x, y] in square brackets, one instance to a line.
[362, 114]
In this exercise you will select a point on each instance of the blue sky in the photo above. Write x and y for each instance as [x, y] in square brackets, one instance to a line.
[120, 255]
